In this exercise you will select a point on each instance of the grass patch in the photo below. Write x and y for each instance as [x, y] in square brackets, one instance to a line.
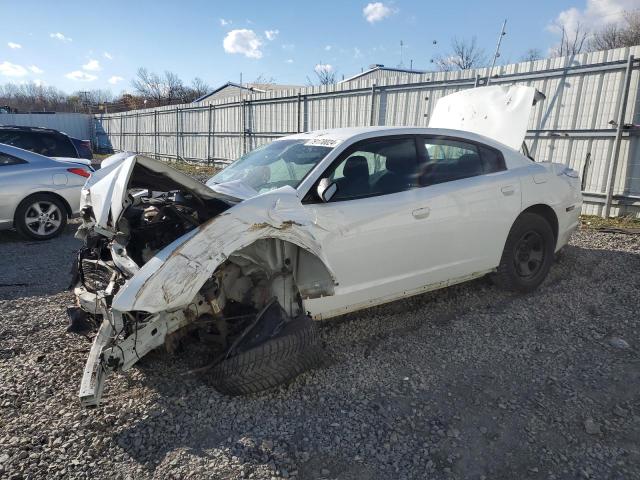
[595, 222]
[194, 169]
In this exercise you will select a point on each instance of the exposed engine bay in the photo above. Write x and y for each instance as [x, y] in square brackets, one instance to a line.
[253, 297]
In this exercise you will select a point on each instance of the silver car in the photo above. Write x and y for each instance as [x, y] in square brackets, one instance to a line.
[37, 193]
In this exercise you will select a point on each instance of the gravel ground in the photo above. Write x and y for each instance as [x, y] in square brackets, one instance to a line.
[468, 382]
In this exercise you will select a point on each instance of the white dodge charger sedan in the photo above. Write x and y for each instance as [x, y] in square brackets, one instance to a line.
[312, 226]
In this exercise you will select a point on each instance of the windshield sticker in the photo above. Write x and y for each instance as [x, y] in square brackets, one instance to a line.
[323, 142]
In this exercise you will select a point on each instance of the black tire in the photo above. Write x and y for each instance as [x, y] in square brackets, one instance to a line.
[42, 227]
[277, 361]
[527, 255]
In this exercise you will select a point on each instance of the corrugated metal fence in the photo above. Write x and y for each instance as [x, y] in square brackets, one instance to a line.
[78, 125]
[575, 125]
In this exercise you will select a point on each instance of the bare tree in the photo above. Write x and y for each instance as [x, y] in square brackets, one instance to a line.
[571, 42]
[464, 56]
[199, 87]
[614, 35]
[148, 85]
[325, 75]
[531, 55]
[263, 79]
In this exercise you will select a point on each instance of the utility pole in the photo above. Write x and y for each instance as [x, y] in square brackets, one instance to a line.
[497, 54]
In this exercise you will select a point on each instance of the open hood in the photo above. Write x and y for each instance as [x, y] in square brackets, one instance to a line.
[106, 191]
[497, 112]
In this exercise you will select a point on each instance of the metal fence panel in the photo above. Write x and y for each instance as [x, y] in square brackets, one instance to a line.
[78, 125]
[572, 124]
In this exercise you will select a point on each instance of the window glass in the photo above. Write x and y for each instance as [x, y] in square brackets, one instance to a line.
[56, 146]
[9, 160]
[280, 163]
[448, 160]
[377, 167]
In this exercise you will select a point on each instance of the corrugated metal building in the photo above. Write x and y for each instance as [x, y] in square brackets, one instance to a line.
[378, 72]
[231, 89]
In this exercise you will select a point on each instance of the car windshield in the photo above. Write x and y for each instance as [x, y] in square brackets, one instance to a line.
[280, 163]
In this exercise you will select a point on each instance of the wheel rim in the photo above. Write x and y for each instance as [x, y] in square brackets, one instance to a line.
[43, 218]
[529, 254]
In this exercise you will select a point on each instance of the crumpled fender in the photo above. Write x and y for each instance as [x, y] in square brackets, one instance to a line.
[172, 278]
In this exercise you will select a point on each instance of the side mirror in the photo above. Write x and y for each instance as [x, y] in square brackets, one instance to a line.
[326, 189]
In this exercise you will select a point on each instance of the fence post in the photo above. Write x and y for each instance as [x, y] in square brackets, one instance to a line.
[373, 105]
[121, 132]
[298, 113]
[305, 115]
[177, 133]
[243, 120]
[209, 136]
[213, 132]
[137, 131]
[613, 163]
[155, 134]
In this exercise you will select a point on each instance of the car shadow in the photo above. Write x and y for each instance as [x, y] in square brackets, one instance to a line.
[460, 390]
[34, 268]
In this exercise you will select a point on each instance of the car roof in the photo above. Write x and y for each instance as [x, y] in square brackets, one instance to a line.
[339, 135]
[22, 128]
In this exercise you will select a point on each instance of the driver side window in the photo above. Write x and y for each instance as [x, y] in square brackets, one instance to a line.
[376, 167]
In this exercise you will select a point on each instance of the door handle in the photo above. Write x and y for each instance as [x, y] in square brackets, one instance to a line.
[508, 190]
[419, 213]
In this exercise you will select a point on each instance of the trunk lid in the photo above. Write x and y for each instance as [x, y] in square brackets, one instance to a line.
[497, 112]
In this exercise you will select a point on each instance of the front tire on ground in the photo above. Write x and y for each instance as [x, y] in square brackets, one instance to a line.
[40, 217]
[276, 361]
[527, 256]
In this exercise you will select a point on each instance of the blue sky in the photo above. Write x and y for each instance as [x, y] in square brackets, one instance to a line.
[79, 45]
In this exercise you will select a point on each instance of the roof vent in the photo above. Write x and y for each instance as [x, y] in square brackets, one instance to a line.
[376, 65]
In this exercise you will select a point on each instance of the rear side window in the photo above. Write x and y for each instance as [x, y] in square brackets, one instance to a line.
[47, 144]
[56, 146]
[6, 160]
[449, 159]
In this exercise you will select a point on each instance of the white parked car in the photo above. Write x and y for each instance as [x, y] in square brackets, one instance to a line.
[312, 226]
[37, 193]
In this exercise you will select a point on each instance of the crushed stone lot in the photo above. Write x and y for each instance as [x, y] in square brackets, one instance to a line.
[467, 382]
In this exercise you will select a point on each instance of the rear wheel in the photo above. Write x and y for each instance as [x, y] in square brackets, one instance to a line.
[527, 255]
[40, 217]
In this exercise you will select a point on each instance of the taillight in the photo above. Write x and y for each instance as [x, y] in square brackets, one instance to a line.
[79, 171]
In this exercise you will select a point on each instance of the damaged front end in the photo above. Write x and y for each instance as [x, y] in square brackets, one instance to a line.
[166, 257]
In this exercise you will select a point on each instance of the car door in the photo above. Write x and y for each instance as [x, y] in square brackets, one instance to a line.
[370, 229]
[11, 168]
[472, 199]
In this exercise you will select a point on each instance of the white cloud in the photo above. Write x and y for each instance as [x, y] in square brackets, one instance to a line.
[36, 70]
[243, 41]
[357, 53]
[224, 22]
[289, 60]
[594, 15]
[92, 66]
[288, 46]
[80, 76]
[328, 47]
[39, 83]
[9, 69]
[108, 56]
[374, 12]
[271, 34]
[14, 45]
[115, 79]
[60, 36]
[323, 67]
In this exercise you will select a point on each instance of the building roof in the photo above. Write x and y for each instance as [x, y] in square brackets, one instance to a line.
[375, 68]
[249, 87]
